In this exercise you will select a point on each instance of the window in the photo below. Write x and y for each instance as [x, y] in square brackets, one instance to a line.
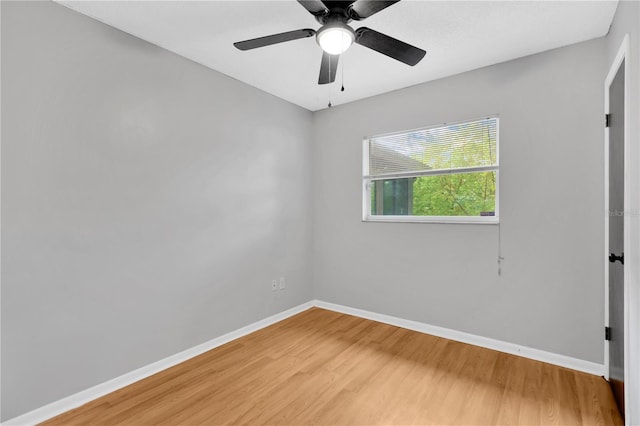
[447, 173]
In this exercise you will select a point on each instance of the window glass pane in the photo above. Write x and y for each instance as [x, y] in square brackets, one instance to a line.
[456, 194]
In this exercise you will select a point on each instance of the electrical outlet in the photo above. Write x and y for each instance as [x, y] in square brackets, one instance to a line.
[282, 283]
[274, 285]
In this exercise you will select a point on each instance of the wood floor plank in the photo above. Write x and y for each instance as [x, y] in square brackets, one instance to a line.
[325, 368]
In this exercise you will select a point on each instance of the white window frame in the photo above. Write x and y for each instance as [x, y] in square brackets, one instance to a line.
[366, 182]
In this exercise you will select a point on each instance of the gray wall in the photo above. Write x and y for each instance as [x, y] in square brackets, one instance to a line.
[627, 21]
[550, 294]
[147, 202]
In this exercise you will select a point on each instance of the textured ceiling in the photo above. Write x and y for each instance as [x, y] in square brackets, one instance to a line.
[457, 35]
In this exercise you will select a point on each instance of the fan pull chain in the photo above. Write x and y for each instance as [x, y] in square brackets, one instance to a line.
[329, 85]
[342, 67]
[329, 89]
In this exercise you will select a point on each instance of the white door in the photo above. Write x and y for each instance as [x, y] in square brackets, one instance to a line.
[616, 332]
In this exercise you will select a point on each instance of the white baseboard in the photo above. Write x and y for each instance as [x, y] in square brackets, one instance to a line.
[459, 336]
[58, 407]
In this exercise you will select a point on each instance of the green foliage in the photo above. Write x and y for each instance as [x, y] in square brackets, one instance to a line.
[466, 194]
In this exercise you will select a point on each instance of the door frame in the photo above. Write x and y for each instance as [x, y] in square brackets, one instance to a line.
[622, 55]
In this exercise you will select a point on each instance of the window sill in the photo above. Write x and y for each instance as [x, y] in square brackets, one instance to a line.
[488, 220]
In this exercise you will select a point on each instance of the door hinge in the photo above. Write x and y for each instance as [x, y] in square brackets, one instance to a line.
[607, 120]
[607, 333]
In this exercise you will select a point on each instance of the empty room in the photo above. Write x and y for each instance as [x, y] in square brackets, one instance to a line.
[305, 212]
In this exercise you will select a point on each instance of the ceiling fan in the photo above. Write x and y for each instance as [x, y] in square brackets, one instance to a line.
[335, 36]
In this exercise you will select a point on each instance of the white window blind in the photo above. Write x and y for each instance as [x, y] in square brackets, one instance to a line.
[469, 146]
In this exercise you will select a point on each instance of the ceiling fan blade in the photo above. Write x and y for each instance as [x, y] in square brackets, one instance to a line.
[274, 39]
[389, 46]
[328, 68]
[365, 8]
[315, 7]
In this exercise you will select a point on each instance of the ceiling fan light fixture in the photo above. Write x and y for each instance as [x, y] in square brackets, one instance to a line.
[335, 39]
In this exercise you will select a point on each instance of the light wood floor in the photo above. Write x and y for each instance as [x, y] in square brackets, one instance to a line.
[326, 368]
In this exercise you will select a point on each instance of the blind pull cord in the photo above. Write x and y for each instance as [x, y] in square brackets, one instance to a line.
[500, 258]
